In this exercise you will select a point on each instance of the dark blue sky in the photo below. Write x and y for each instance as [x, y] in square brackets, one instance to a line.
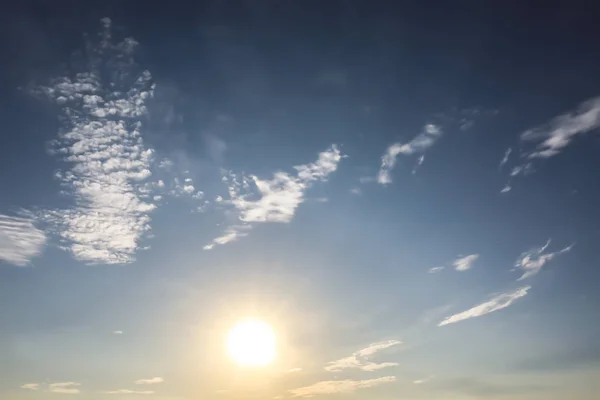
[360, 175]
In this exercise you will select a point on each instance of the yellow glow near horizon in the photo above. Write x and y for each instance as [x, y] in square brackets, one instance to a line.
[251, 343]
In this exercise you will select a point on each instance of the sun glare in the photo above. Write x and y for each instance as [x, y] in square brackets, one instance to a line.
[251, 343]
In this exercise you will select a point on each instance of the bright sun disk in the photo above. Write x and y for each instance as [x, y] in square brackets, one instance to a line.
[251, 343]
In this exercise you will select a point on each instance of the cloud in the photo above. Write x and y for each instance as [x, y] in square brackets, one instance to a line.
[496, 303]
[129, 391]
[20, 240]
[465, 263]
[150, 381]
[276, 199]
[435, 270]
[431, 133]
[532, 261]
[424, 380]
[420, 161]
[342, 386]
[64, 387]
[117, 332]
[505, 158]
[356, 190]
[31, 386]
[506, 188]
[360, 358]
[558, 133]
[107, 159]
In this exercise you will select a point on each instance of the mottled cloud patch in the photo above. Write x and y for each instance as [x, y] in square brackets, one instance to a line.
[361, 358]
[257, 200]
[340, 386]
[108, 161]
[427, 138]
[494, 304]
[532, 261]
[465, 263]
[20, 240]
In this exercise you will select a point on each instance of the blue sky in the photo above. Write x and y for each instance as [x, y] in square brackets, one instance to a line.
[407, 195]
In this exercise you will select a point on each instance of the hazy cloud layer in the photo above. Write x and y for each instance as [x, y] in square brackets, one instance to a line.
[341, 386]
[496, 303]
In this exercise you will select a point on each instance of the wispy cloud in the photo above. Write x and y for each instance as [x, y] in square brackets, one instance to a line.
[20, 240]
[150, 381]
[356, 190]
[64, 387]
[117, 332]
[558, 133]
[496, 303]
[276, 199]
[108, 162]
[505, 158]
[31, 386]
[424, 380]
[465, 263]
[431, 133]
[420, 162]
[435, 270]
[532, 261]
[341, 386]
[129, 391]
[360, 358]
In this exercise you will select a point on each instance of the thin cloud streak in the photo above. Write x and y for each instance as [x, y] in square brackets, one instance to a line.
[558, 133]
[64, 387]
[532, 261]
[496, 303]
[129, 391]
[360, 358]
[431, 133]
[150, 381]
[341, 386]
[20, 240]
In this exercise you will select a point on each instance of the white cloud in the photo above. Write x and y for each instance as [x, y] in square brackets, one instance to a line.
[420, 161]
[505, 158]
[507, 188]
[108, 161]
[64, 387]
[117, 332]
[465, 263]
[341, 386]
[278, 198]
[356, 190]
[150, 381]
[20, 240]
[360, 358]
[424, 380]
[435, 270]
[496, 303]
[31, 386]
[555, 135]
[129, 391]
[532, 261]
[431, 133]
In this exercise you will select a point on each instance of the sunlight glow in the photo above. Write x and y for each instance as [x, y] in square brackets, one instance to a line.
[251, 343]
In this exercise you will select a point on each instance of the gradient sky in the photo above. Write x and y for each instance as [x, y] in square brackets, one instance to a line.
[407, 193]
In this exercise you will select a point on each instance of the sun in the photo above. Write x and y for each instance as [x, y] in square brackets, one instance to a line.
[251, 343]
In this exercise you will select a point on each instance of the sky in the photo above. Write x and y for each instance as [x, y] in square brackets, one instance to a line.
[405, 192]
